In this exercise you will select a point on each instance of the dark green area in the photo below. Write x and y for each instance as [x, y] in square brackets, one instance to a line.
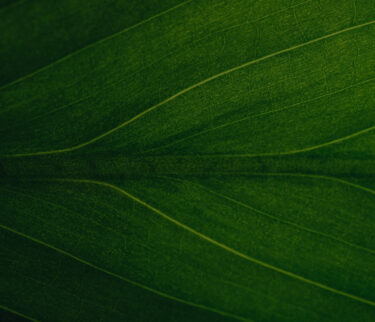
[205, 160]
[35, 33]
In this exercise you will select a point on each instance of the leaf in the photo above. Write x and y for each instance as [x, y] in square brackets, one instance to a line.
[76, 24]
[203, 161]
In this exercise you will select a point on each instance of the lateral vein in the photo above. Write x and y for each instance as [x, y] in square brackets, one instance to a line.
[121, 277]
[182, 92]
[5, 308]
[223, 246]
[93, 44]
[263, 213]
[311, 148]
[257, 115]
[318, 176]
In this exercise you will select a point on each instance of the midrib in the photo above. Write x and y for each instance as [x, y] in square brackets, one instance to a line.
[109, 166]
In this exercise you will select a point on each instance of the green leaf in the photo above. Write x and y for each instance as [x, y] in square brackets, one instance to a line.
[205, 160]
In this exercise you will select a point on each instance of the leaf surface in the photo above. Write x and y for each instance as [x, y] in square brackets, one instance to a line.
[202, 160]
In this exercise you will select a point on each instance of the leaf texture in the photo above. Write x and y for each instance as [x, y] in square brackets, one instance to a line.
[203, 160]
